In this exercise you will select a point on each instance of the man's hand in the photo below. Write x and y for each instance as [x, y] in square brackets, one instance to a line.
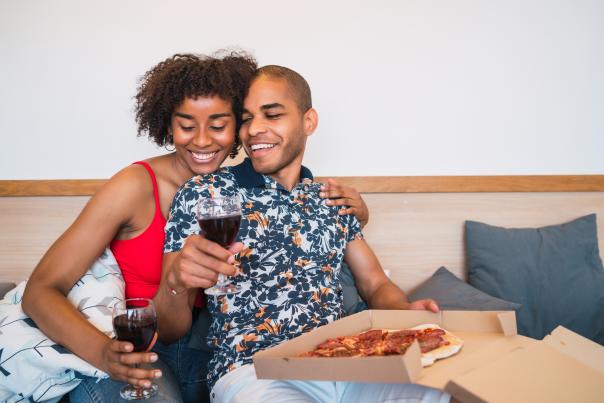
[199, 262]
[340, 195]
[424, 305]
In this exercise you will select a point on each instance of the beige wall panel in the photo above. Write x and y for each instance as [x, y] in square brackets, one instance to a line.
[28, 226]
[412, 233]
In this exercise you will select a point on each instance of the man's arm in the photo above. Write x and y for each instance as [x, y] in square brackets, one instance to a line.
[373, 284]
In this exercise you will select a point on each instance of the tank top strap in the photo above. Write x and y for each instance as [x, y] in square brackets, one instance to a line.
[154, 180]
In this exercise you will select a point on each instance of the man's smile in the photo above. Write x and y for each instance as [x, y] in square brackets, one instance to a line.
[261, 149]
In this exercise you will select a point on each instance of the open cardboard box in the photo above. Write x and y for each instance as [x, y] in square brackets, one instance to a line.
[564, 367]
[477, 329]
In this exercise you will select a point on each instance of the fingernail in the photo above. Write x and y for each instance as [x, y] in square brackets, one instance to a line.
[147, 384]
[322, 194]
[153, 357]
[157, 374]
[231, 260]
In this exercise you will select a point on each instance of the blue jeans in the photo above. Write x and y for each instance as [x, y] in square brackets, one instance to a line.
[108, 390]
[189, 365]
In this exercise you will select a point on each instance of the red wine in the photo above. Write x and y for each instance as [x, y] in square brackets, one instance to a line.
[222, 230]
[138, 331]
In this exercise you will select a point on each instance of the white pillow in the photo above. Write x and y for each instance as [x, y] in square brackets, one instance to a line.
[34, 367]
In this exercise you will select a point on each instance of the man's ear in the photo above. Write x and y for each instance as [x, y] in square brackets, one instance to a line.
[311, 120]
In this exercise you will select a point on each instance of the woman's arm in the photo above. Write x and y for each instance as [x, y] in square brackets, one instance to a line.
[340, 195]
[67, 260]
[195, 266]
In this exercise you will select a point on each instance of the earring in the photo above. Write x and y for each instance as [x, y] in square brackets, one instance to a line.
[170, 141]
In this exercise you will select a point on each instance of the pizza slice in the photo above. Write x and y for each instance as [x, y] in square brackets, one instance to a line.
[435, 343]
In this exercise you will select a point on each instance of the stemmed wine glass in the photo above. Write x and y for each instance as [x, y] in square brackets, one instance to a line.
[219, 219]
[135, 320]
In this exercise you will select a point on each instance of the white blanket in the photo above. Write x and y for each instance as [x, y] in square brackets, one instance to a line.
[34, 367]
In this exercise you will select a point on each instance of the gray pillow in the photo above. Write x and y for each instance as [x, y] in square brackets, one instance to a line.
[452, 293]
[6, 287]
[554, 272]
[350, 295]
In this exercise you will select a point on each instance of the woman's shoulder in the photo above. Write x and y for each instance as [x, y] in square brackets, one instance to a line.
[130, 185]
[134, 178]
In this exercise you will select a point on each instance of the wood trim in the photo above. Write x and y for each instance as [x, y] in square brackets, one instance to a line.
[59, 187]
[364, 184]
[465, 184]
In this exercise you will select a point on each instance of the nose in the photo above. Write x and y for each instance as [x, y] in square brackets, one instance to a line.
[256, 126]
[202, 138]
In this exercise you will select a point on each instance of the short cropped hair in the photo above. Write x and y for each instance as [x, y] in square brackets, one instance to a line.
[297, 84]
[162, 89]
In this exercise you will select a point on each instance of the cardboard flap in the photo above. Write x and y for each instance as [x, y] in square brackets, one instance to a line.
[491, 348]
[507, 321]
[587, 352]
[480, 321]
[393, 319]
[277, 363]
[536, 373]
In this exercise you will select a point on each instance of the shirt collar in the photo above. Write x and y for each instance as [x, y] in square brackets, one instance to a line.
[247, 177]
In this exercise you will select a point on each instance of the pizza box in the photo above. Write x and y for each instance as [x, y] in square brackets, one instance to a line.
[476, 329]
[563, 367]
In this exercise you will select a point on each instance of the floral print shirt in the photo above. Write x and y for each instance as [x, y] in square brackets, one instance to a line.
[294, 248]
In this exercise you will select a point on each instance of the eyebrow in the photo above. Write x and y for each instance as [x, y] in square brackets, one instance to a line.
[271, 106]
[266, 107]
[214, 116]
[183, 115]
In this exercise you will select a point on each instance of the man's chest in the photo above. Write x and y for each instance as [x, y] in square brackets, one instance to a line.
[290, 231]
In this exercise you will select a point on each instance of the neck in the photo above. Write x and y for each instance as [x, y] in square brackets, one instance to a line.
[289, 176]
[182, 173]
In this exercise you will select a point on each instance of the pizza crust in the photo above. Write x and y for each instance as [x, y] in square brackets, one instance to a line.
[455, 344]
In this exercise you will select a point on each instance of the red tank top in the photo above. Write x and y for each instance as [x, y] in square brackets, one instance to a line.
[140, 258]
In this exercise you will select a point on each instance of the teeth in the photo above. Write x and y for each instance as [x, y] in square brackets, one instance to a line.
[261, 146]
[203, 156]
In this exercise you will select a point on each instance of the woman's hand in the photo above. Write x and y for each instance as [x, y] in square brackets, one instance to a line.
[119, 359]
[340, 195]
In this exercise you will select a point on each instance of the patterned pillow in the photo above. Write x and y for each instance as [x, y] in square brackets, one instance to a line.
[34, 367]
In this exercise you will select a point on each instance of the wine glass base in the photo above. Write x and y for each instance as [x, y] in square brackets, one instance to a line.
[131, 392]
[223, 289]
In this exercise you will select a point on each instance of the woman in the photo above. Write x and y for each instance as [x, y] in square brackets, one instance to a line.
[193, 103]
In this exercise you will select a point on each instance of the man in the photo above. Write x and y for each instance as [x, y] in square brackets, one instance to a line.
[294, 245]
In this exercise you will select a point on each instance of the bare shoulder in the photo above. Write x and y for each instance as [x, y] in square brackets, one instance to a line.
[132, 182]
[122, 195]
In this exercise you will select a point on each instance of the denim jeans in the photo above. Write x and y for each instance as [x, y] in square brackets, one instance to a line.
[189, 365]
[108, 390]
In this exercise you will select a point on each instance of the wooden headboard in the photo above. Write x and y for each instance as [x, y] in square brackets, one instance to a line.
[416, 223]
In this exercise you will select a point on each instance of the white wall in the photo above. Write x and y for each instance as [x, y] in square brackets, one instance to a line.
[410, 87]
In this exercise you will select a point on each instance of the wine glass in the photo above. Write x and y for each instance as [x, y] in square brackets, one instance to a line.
[219, 219]
[135, 320]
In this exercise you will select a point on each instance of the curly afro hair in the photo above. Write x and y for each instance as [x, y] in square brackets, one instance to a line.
[163, 88]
